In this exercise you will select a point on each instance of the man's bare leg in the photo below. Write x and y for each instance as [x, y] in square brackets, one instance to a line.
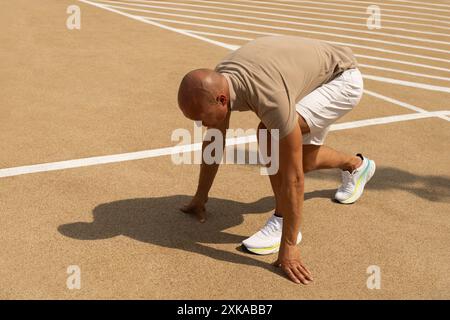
[322, 157]
[314, 158]
[317, 157]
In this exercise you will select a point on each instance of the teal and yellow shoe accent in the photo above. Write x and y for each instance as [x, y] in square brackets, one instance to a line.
[266, 250]
[362, 180]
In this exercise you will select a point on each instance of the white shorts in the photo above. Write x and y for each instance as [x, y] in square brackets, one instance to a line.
[329, 102]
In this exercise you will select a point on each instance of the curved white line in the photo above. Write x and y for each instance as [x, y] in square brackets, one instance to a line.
[278, 34]
[383, 4]
[359, 7]
[408, 83]
[356, 55]
[426, 3]
[286, 16]
[403, 72]
[340, 10]
[282, 28]
[346, 16]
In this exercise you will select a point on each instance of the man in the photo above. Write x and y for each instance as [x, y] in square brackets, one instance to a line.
[299, 87]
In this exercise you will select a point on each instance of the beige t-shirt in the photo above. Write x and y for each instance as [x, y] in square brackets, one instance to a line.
[269, 75]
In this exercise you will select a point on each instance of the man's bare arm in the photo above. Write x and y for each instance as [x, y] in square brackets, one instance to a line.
[207, 174]
[291, 196]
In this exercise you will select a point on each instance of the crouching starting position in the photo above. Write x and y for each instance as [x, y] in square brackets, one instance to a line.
[298, 87]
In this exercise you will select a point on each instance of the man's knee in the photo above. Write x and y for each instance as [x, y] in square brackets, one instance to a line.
[308, 166]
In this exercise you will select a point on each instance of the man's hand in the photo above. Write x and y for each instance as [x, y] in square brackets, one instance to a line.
[196, 207]
[290, 263]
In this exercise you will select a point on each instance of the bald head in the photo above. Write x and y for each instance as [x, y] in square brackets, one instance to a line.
[203, 95]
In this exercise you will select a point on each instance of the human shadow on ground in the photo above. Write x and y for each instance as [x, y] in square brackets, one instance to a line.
[428, 187]
[160, 222]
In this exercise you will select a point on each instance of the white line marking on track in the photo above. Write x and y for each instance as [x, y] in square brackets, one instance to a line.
[272, 33]
[395, 5]
[321, 13]
[425, 3]
[45, 167]
[220, 35]
[408, 83]
[278, 34]
[348, 12]
[301, 17]
[400, 103]
[162, 26]
[384, 79]
[146, 4]
[368, 39]
[389, 119]
[416, 74]
[139, 155]
[359, 7]
[233, 47]
[402, 62]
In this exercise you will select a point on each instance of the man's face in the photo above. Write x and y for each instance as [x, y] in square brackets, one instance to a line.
[211, 115]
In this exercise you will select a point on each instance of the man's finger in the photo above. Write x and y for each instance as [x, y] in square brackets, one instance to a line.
[304, 277]
[306, 272]
[291, 275]
[201, 219]
[201, 215]
[299, 275]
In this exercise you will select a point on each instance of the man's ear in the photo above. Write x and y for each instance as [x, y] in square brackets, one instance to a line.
[222, 99]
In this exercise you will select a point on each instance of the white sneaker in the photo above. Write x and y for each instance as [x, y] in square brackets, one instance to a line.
[267, 240]
[353, 183]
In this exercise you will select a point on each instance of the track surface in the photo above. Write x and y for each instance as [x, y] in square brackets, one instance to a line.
[109, 90]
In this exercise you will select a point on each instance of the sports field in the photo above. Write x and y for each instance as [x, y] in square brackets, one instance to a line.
[87, 178]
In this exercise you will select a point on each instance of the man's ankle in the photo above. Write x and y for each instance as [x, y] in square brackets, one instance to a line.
[354, 164]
